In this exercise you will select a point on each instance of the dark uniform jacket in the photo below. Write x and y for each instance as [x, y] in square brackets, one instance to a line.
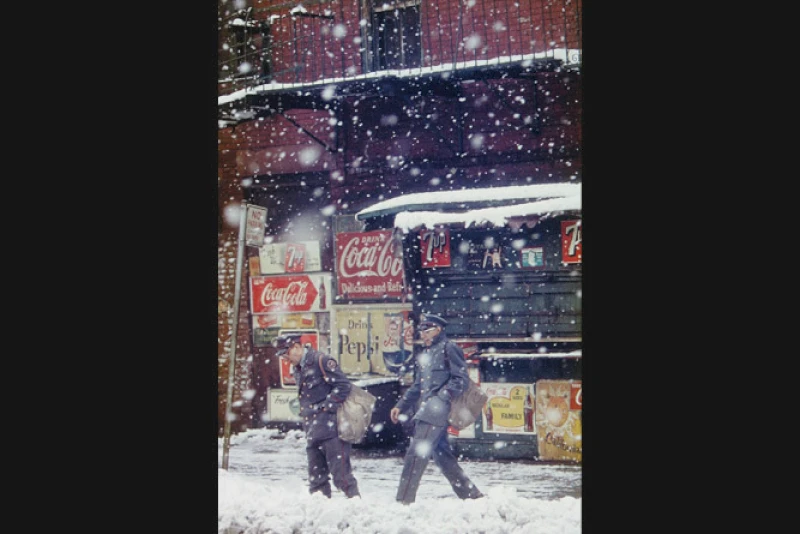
[440, 375]
[320, 397]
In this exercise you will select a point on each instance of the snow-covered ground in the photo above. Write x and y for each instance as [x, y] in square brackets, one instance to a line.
[264, 491]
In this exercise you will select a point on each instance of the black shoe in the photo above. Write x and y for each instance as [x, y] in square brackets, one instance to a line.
[478, 495]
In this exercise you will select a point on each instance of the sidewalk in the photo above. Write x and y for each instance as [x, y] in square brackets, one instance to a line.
[265, 490]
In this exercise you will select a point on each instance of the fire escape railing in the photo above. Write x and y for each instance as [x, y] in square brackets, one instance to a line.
[342, 39]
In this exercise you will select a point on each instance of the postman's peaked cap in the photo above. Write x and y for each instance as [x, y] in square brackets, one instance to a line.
[283, 342]
[427, 320]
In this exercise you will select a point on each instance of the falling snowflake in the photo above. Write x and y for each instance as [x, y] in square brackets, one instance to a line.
[309, 155]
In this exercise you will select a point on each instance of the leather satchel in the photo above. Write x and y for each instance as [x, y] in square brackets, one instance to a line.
[465, 409]
[354, 415]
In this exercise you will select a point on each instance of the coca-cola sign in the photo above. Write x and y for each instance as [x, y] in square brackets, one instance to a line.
[368, 265]
[576, 396]
[288, 294]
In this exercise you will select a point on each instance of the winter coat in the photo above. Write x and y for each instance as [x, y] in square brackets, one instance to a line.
[440, 375]
[320, 397]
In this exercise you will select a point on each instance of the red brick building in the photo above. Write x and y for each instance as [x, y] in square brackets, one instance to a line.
[327, 107]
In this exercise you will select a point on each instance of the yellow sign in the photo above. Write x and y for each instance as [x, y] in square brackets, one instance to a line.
[509, 408]
[374, 340]
[558, 420]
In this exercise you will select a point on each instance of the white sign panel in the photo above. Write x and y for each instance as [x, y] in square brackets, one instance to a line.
[256, 223]
[283, 405]
[277, 258]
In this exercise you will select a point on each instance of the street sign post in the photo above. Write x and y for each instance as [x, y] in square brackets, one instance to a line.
[252, 222]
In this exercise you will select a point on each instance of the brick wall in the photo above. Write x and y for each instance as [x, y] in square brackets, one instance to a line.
[529, 131]
[230, 193]
[306, 49]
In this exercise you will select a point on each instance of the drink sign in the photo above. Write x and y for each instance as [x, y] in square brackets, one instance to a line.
[509, 409]
[375, 339]
[299, 256]
[290, 293]
[559, 420]
[295, 258]
[369, 265]
[571, 239]
[435, 248]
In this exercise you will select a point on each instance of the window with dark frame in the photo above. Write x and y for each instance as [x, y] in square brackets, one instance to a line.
[395, 35]
[248, 49]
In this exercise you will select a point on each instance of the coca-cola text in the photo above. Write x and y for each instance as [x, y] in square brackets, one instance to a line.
[294, 294]
[374, 259]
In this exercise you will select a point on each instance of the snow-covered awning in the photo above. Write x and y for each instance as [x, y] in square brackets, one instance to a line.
[493, 205]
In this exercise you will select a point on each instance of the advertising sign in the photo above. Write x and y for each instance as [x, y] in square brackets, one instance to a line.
[283, 405]
[289, 293]
[263, 335]
[295, 257]
[576, 396]
[266, 326]
[468, 432]
[532, 257]
[312, 338]
[469, 348]
[558, 422]
[375, 339]
[486, 255]
[255, 265]
[300, 256]
[435, 248]
[509, 408]
[369, 265]
[571, 238]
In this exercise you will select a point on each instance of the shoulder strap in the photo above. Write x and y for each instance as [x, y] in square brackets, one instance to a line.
[446, 356]
[447, 359]
[321, 368]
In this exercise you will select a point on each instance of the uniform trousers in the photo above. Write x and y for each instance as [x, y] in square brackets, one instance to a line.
[431, 441]
[330, 456]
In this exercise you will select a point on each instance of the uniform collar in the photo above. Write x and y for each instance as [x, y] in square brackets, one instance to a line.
[305, 356]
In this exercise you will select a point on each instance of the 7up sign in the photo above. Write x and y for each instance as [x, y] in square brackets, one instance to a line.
[571, 238]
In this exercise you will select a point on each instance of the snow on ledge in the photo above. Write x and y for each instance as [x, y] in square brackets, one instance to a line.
[568, 56]
[365, 382]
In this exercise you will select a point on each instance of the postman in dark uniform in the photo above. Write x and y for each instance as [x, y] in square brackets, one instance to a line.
[320, 397]
[440, 375]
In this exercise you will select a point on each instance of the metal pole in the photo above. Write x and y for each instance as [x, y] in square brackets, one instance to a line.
[369, 340]
[235, 327]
